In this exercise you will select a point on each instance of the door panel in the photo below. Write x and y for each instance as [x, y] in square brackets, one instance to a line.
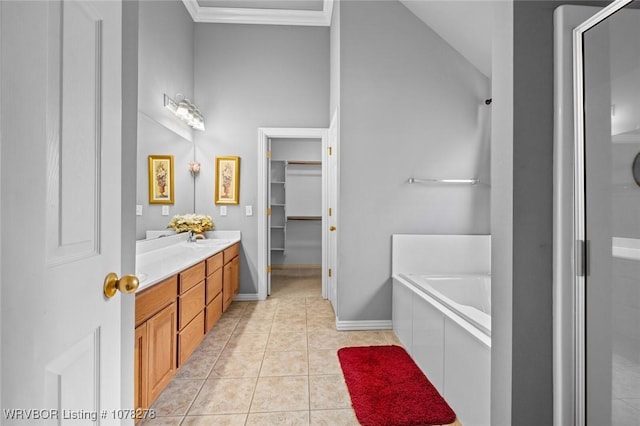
[61, 153]
[269, 231]
[612, 219]
[332, 201]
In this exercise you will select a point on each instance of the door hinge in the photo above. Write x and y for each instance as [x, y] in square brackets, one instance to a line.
[268, 268]
[268, 154]
[330, 211]
[582, 258]
[330, 273]
[330, 151]
[268, 211]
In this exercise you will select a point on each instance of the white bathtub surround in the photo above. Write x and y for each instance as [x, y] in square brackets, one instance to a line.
[442, 315]
[160, 258]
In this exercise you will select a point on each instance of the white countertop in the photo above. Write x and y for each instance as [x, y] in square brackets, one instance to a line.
[160, 258]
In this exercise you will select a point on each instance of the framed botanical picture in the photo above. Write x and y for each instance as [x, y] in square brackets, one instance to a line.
[161, 179]
[227, 180]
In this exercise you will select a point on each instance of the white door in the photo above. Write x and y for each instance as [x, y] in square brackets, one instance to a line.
[61, 176]
[269, 242]
[332, 201]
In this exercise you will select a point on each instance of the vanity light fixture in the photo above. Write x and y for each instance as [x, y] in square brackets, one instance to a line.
[185, 111]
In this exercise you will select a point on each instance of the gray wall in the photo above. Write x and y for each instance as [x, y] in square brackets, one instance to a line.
[410, 105]
[165, 65]
[532, 369]
[334, 58]
[246, 77]
[501, 213]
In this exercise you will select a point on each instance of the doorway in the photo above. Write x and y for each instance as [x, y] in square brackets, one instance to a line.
[295, 216]
[281, 213]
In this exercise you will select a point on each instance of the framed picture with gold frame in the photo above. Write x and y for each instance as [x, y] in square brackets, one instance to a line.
[161, 187]
[227, 180]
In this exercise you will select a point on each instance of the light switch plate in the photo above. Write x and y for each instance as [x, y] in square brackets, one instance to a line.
[223, 210]
[138, 210]
[165, 210]
[248, 210]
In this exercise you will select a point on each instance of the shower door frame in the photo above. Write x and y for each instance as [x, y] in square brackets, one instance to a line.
[570, 235]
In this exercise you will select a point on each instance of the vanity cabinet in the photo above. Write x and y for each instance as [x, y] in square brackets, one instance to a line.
[191, 304]
[230, 275]
[173, 316]
[213, 293]
[155, 344]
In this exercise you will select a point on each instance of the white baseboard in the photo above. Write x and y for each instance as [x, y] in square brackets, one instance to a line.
[363, 325]
[247, 297]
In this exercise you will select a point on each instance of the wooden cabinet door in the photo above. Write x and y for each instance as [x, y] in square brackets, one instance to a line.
[140, 363]
[161, 333]
[235, 275]
[227, 286]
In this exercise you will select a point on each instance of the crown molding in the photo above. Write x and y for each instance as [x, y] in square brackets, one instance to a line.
[224, 15]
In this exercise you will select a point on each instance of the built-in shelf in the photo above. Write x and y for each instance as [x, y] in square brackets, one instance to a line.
[304, 217]
[291, 183]
[305, 163]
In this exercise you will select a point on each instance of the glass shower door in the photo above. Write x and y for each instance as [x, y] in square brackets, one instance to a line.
[611, 82]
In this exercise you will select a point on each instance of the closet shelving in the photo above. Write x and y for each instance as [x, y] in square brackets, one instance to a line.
[283, 174]
[277, 205]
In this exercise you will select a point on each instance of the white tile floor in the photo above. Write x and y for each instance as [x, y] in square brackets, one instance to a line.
[268, 363]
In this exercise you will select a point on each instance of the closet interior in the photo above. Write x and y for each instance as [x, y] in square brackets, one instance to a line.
[295, 203]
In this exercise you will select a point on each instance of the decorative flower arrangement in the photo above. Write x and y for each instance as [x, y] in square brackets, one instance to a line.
[191, 222]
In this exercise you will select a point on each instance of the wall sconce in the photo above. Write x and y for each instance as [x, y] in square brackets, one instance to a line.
[185, 111]
[194, 168]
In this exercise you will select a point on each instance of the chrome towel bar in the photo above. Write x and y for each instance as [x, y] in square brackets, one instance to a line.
[445, 181]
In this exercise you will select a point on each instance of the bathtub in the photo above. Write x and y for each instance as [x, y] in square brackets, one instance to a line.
[442, 316]
[468, 296]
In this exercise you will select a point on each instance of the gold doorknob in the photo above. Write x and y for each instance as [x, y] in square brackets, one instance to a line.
[332, 228]
[126, 284]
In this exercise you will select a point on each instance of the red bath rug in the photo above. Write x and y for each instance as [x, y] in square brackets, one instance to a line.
[388, 389]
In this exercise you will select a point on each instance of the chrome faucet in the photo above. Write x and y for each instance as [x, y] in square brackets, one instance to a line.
[192, 237]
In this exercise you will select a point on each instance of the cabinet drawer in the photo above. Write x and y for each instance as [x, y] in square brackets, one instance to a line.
[214, 263]
[153, 299]
[189, 304]
[213, 312]
[191, 277]
[214, 285]
[231, 252]
[190, 337]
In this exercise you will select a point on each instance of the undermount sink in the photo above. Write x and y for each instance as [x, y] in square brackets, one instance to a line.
[213, 242]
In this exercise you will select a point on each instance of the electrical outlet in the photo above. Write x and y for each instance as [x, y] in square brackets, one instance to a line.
[223, 210]
[165, 210]
[138, 210]
[248, 210]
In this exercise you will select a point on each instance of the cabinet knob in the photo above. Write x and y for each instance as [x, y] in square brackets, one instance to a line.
[332, 228]
[126, 284]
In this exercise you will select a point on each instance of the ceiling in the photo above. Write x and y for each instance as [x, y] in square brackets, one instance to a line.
[465, 24]
[265, 4]
[266, 12]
